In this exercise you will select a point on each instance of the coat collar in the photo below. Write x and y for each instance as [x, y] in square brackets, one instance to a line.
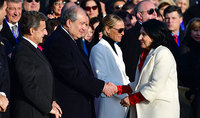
[118, 56]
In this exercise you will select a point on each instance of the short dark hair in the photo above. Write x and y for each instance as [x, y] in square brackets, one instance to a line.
[1, 3]
[173, 8]
[159, 33]
[31, 19]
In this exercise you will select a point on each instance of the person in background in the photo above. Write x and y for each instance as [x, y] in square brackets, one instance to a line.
[135, 2]
[126, 18]
[130, 44]
[32, 85]
[76, 85]
[55, 7]
[190, 66]
[173, 19]
[192, 12]
[89, 34]
[93, 8]
[163, 4]
[129, 7]
[183, 4]
[118, 4]
[11, 28]
[107, 65]
[31, 5]
[4, 71]
[154, 93]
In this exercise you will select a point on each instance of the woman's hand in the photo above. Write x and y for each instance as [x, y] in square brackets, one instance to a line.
[125, 102]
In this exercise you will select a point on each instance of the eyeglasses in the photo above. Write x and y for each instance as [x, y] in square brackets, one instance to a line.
[118, 6]
[119, 30]
[150, 11]
[89, 8]
[77, 3]
[32, 1]
[59, 3]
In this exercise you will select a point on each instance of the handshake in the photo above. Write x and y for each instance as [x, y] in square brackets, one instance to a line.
[110, 89]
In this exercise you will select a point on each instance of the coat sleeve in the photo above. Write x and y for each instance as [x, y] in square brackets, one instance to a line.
[164, 64]
[99, 66]
[69, 68]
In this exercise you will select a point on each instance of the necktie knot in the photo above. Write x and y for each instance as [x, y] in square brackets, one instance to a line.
[15, 30]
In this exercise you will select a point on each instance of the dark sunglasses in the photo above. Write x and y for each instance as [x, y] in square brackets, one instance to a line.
[89, 8]
[77, 3]
[32, 1]
[119, 30]
[118, 6]
[150, 11]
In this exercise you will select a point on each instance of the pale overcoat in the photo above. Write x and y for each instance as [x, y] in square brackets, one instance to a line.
[109, 67]
[157, 82]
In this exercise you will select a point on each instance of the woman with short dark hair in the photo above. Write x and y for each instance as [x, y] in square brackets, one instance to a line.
[154, 93]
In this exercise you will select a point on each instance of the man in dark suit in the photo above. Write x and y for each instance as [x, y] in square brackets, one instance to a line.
[11, 30]
[33, 82]
[76, 85]
[130, 44]
[173, 19]
[4, 73]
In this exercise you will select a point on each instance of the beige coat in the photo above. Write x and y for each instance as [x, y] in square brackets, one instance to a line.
[157, 82]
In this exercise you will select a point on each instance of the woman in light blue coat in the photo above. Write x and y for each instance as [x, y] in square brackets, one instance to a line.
[107, 64]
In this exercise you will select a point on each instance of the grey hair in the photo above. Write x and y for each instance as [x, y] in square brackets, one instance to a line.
[70, 13]
[15, 1]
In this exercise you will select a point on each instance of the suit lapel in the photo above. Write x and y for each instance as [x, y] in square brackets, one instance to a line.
[147, 60]
[76, 48]
[116, 56]
[37, 51]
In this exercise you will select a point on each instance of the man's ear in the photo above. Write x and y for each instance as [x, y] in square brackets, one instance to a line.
[68, 23]
[31, 30]
[139, 15]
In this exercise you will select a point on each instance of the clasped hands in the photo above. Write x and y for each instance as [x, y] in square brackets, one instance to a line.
[109, 89]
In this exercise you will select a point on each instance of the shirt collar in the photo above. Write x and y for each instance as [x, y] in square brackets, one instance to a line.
[10, 24]
[67, 32]
[178, 33]
[35, 45]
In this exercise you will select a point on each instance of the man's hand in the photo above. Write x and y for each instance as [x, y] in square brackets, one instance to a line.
[56, 110]
[125, 102]
[109, 89]
[54, 104]
[3, 103]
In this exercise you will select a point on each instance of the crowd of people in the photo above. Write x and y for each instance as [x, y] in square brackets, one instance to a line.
[99, 58]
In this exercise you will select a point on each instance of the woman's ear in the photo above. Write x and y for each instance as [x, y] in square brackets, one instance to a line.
[107, 29]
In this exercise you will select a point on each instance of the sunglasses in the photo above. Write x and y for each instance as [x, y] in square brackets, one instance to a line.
[150, 11]
[32, 1]
[89, 8]
[59, 3]
[118, 6]
[119, 30]
[77, 3]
